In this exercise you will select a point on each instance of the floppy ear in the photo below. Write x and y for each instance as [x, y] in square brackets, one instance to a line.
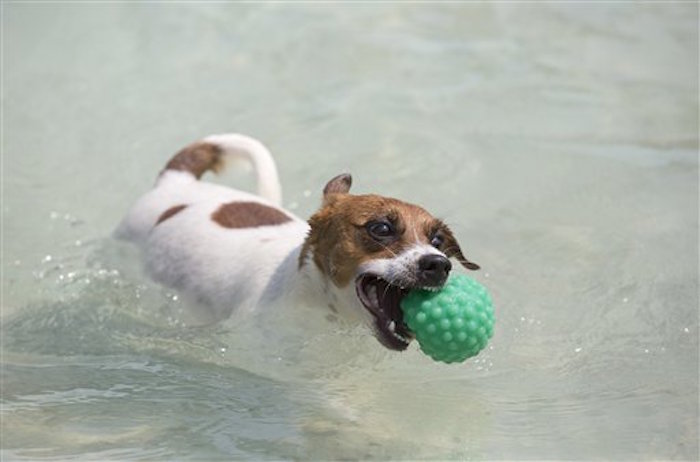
[452, 249]
[338, 185]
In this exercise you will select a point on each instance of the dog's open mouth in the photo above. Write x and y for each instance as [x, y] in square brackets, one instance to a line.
[383, 300]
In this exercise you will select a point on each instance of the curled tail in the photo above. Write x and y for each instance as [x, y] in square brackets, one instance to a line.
[212, 152]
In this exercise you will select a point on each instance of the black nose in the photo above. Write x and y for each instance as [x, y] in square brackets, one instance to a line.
[433, 269]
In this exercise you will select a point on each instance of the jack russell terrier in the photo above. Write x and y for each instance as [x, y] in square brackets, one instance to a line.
[237, 253]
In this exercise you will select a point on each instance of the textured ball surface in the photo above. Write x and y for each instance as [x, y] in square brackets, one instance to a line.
[452, 324]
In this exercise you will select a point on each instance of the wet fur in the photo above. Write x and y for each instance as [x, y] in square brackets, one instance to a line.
[233, 252]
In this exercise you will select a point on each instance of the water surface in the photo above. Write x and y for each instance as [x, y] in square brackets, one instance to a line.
[559, 141]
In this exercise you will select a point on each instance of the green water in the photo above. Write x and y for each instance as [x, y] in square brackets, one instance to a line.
[560, 141]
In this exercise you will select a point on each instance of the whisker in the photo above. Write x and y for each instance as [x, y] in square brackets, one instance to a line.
[386, 289]
[387, 248]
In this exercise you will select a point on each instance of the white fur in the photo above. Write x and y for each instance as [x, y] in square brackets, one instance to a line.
[241, 146]
[224, 270]
[227, 271]
[401, 269]
[231, 273]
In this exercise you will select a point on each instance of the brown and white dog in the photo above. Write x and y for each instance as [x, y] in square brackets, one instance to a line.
[238, 253]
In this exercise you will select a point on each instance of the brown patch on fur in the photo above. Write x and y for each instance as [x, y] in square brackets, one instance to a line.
[170, 213]
[248, 215]
[339, 243]
[197, 158]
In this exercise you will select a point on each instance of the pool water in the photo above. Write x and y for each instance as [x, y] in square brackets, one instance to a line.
[560, 142]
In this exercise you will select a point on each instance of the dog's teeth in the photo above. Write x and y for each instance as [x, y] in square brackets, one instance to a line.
[392, 331]
[399, 336]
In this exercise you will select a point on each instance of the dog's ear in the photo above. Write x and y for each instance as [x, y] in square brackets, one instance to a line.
[320, 222]
[338, 185]
[452, 249]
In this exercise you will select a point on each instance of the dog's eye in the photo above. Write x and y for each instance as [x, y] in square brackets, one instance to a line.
[380, 229]
[437, 240]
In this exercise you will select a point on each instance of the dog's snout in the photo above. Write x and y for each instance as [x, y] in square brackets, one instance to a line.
[433, 269]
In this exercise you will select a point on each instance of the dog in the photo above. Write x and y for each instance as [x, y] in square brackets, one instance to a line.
[236, 254]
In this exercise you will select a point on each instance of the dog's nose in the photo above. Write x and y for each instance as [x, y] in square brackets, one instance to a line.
[433, 269]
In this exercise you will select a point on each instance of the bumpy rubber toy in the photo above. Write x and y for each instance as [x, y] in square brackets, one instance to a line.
[452, 324]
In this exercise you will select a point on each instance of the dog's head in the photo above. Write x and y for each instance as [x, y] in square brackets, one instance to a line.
[375, 249]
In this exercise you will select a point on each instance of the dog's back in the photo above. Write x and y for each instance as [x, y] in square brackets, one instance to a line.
[218, 245]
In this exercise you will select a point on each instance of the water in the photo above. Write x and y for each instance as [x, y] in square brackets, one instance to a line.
[559, 141]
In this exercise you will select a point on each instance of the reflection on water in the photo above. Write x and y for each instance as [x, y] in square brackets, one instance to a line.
[559, 141]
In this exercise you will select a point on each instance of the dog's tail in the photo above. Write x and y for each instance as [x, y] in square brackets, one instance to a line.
[212, 153]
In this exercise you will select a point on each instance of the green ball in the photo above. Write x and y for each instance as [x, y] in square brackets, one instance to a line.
[452, 324]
